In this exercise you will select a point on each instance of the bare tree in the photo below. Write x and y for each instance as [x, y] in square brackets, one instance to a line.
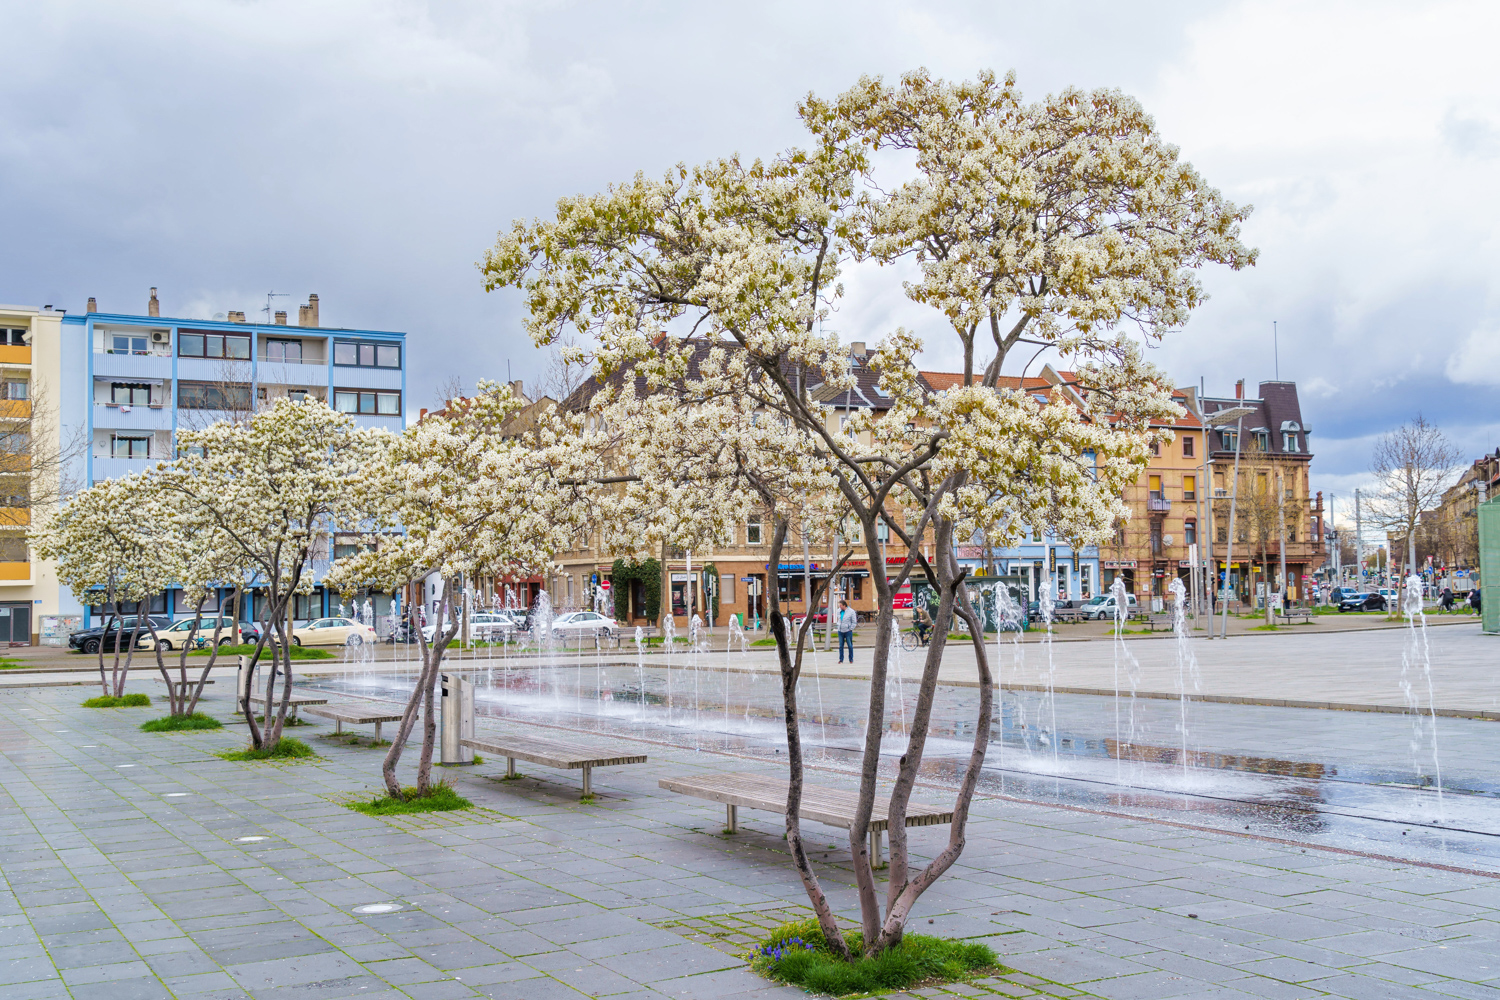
[1414, 465]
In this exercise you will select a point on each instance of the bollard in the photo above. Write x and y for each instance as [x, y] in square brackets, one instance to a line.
[457, 719]
[242, 684]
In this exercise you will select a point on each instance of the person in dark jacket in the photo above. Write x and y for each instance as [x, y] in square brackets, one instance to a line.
[1446, 601]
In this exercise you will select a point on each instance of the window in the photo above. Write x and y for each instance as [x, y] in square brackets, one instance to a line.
[129, 394]
[1187, 446]
[752, 531]
[213, 396]
[1262, 482]
[381, 404]
[13, 337]
[1230, 439]
[13, 549]
[234, 347]
[297, 395]
[1190, 532]
[1263, 440]
[1189, 487]
[364, 354]
[131, 447]
[1156, 448]
[284, 352]
[791, 589]
[1154, 485]
[17, 389]
[124, 343]
[1288, 441]
[882, 531]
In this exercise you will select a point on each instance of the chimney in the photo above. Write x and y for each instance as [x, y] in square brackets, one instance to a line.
[234, 317]
[153, 308]
[93, 306]
[857, 348]
[1239, 389]
[517, 389]
[312, 309]
[281, 317]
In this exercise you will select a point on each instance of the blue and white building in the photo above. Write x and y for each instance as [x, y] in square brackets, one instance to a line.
[132, 382]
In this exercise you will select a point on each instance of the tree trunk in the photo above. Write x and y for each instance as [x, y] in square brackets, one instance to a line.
[790, 673]
[422, 696]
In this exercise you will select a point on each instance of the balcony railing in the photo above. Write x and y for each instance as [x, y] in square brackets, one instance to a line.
[265, 360]
[1161, 504]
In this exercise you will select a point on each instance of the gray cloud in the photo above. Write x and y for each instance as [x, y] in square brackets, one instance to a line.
[369, 151]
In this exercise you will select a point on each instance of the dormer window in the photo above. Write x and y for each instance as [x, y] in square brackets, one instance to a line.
[1289, 436]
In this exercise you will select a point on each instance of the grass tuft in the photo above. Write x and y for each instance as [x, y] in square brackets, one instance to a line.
[796, 953]
[245, 649]
[124, 701]
[290, 748]
[442, 798]
[181, 723]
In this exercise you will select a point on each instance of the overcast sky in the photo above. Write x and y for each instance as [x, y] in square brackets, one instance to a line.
[370, 151]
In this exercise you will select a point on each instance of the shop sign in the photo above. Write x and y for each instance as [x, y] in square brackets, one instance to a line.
[1119, 564]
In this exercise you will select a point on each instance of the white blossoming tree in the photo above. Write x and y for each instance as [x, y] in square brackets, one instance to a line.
[273, 488]
[1051, 224]
[111, 544]
[462, 499]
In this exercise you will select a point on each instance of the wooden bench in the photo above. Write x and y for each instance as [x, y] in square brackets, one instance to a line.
[552, 753]
[1291, 613]
[172, 686]
[341, 714]
[821, 804]
[295, 702]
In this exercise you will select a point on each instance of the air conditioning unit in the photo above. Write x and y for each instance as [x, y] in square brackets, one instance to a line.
[161, 337]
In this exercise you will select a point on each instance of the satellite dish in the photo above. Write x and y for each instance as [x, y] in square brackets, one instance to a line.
[220, 317]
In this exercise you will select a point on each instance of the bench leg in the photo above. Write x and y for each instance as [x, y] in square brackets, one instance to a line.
[731, 819]
[877, 852]
[588, 781]
[338, 727]
[377, 732]
[510, 767]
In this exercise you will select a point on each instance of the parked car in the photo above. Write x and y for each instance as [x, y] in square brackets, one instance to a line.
[583, 623]
[484, 626]
[1337, 594]
[1103, 606]
[333, 632]
[1362, 602]
[177, 635]
[90, 640]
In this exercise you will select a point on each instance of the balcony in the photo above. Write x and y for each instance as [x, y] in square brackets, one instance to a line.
[15, 354]
[150, 417]
[133, 366]
[1158, 505]
[15, 572]
[115, 468]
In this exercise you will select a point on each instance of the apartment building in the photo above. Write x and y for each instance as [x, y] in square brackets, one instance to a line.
[30, 453]
[118, 386]
[1278, 519]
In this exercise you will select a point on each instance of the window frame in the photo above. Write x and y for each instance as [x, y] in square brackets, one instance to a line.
[114, 445]
[188, 398]
[131, 389]
[283, 343]
[1187, 446]
[224, 338]
[754, 524]
[375, 347]
[375, 399]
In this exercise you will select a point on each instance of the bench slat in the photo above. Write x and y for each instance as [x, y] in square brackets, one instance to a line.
[552, 753]
[833, 806]
[351, 715]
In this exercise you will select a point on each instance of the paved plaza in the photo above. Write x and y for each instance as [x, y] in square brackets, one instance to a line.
[125, 878]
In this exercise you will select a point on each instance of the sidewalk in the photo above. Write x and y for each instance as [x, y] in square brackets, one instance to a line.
[124, 878]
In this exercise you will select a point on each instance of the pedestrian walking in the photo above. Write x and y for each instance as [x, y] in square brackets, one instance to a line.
[846, 621]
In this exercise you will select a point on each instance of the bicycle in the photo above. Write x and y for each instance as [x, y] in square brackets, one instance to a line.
[910, 640]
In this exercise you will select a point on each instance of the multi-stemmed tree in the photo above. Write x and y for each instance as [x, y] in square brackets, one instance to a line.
[458, 496]
[271, 489]
[112, 544]
[1050, 224]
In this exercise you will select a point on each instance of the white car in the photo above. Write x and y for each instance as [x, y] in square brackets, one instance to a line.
[484, 626]
[583, 623]
[1103, 606]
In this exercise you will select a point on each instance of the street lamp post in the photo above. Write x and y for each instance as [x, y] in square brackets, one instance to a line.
[1219, 419]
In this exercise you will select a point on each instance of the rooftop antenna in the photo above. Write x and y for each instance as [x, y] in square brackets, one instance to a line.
[1276, 349]
[269, 297]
